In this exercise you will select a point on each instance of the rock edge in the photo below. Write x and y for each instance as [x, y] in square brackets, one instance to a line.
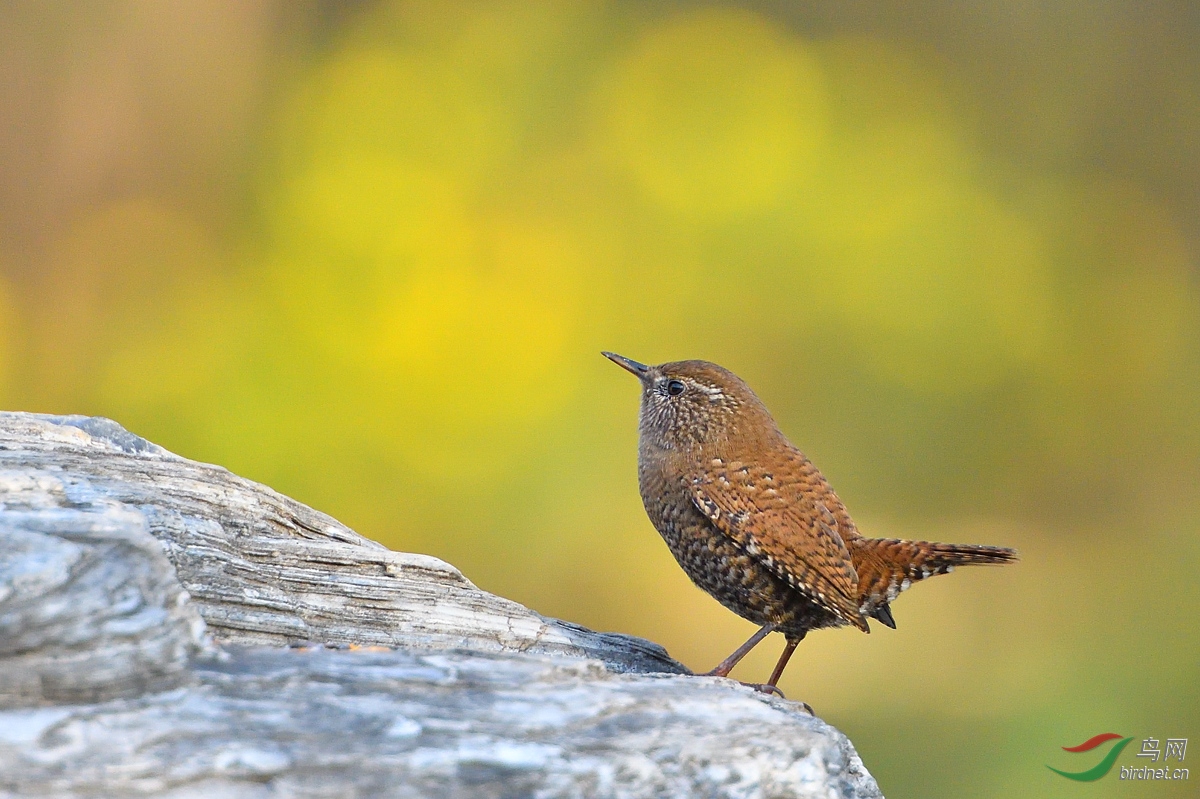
[146, 602]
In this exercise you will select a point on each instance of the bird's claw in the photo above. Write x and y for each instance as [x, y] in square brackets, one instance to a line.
[765, 688]
[762, 688]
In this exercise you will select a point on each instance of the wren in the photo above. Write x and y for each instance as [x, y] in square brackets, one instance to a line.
[753, 523]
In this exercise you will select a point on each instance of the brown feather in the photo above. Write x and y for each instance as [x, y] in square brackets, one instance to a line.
[779, 521]
[888, 566]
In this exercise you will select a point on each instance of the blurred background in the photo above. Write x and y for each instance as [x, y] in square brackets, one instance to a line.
[367, 253]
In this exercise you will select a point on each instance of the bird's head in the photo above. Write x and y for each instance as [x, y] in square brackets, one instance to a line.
[693, 406]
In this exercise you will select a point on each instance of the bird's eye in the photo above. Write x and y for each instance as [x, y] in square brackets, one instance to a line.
[674, 388]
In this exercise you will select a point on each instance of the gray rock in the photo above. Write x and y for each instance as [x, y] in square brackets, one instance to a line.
[90, 608]
[145, 600]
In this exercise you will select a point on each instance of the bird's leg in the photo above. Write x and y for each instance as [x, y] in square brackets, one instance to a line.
[725, 666]
[772, 684]
[783, 660]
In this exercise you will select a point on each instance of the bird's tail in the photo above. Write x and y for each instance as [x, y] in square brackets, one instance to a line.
[887, 566]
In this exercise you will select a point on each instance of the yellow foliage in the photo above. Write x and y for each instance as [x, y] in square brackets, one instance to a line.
[448, 210]
[715, 113]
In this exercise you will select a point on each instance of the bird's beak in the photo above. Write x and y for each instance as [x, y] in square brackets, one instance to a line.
[639, 370]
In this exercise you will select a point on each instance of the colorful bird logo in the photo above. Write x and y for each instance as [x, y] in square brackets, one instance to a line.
[1100, 769]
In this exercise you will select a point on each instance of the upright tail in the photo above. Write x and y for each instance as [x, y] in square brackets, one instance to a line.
[887, 566]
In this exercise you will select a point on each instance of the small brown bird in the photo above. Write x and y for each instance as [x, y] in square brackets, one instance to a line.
[752, 521]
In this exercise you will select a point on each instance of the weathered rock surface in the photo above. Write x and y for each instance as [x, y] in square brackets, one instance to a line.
[145, 600]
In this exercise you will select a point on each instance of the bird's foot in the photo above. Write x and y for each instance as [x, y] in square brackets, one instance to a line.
[767, 688]
[761, 687]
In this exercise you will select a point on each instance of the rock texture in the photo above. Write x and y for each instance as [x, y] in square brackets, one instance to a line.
[170, 629]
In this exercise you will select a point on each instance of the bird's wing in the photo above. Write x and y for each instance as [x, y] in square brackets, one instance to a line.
[781, 520]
